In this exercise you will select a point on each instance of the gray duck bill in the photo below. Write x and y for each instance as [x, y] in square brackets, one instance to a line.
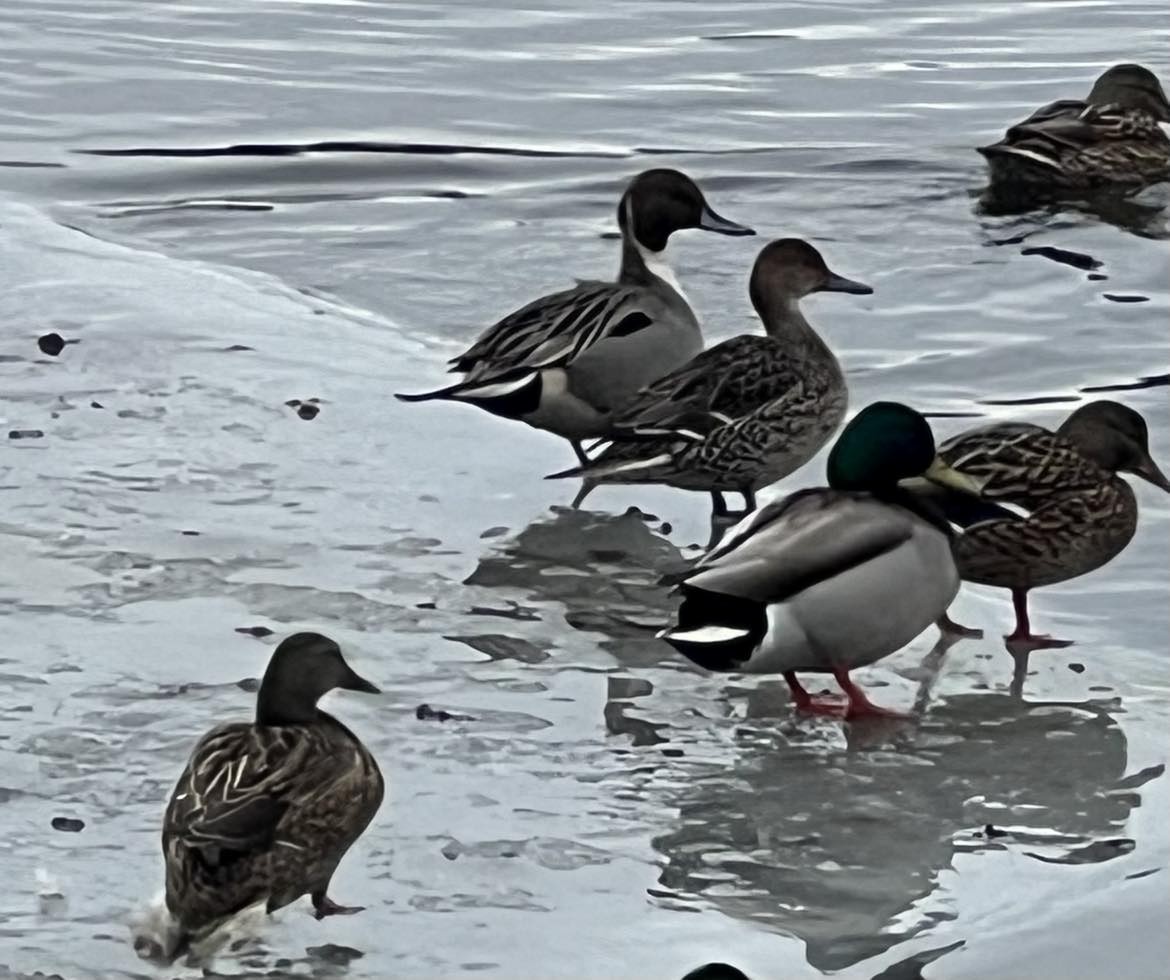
[839, 284]
[710, 221]
[359, 683]
[1149, 471]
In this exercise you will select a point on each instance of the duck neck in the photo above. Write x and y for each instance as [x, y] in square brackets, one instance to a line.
[280, 702]
[643, 266]
[784, 321]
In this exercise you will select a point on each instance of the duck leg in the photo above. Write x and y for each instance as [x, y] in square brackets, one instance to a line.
[831, 704]
[1022, 638]
[949, 628]
[718, 504]
[859, 705]
[323, 905]
[587, 487]
[749, 500]
[582, 457]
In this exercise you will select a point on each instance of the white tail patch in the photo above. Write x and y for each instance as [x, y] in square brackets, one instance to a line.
[704, 634]
[496, 390]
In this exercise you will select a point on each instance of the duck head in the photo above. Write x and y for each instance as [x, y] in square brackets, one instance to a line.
[303, 668]
[884, 444]
[716, 971]
[1115, 437]
[1131, 87]
[787, 270]
[660, 202]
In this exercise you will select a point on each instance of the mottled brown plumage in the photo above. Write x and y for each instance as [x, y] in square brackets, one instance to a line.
[1070, 512]
[1112, 137]
[746, 412]
[264, 811]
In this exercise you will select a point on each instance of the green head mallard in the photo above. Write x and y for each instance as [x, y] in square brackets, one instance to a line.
[829, 579]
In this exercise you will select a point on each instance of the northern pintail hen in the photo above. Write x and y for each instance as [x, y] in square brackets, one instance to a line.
[829, 579]
[1050, 505]
[1117, 135]
[746, 412]
[565, 361]
[265, 810]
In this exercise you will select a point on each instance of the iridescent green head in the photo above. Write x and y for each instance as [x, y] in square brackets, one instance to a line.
[884, 443]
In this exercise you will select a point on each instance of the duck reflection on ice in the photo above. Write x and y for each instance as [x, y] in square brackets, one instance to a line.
[611, 573]
[837, 846]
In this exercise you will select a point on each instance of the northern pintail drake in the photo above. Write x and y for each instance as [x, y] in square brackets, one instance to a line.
[833, 578]
[565, 361]
[746, 412]
[265, 810]
[1050, 505]
[1117, 135]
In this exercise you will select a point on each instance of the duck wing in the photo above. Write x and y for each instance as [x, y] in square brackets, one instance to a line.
[1018, 463]
[789, 545]
[553, 330]
[237, 786]
[715, 387]
[1055, 134]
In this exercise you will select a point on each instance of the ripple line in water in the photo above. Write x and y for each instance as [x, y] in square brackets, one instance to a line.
[352, 146]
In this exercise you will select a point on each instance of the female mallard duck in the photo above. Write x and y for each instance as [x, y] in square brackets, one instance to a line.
[746, 412]
[265, 810]
[1071, 512]
[1115, 136]
[829, 579]
[564, 361]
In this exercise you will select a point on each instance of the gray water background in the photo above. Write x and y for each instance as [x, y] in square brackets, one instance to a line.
[610, 811]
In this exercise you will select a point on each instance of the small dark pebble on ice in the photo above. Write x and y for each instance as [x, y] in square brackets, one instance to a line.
[1077, 668]
[68, 825]
[96, 405]
[51, 344]
[424, 712]
[307, 411]
[293, 403]
[667, 527]
[673, 753]
[992, 832]
[190, 534]
[25, 434]
[1125, 298]
[1096, 277]
[255, 630]
[238, 347]
[425, 605]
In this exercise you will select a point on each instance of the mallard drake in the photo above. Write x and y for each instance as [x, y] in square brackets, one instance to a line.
[1115, 136]
[564, 361]
[266, 809]
[833, 578]
[1050, 505]
[746, 412]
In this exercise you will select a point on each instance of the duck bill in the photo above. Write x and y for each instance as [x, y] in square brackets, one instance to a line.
[710, 221]
[359, 683]
[945, 476]
[839, 284]
[1148, 470]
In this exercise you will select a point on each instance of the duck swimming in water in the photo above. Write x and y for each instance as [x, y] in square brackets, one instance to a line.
[1118, 135]
[746, 412]
[829, 579]
[265, 810]
[565, 361]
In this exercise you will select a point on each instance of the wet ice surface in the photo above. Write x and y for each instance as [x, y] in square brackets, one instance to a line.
[603, 809]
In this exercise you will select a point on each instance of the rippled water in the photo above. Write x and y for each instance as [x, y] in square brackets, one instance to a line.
[231, 206]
